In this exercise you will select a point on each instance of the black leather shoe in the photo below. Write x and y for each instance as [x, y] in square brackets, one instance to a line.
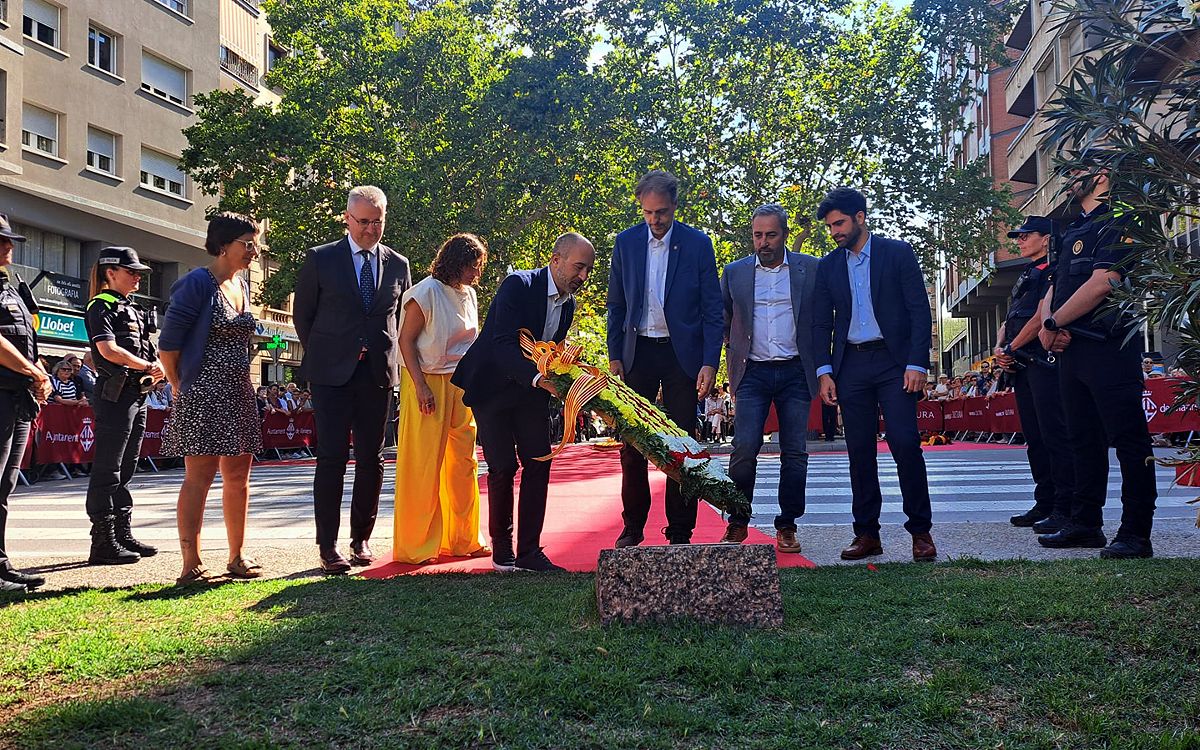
[332, 562]
[13, 588]
[361, 554]
[1074, 537]
[1050, 524]
[30, 582]
[537, 562]
[1127, 548]
[629, 538]
[1028, 518]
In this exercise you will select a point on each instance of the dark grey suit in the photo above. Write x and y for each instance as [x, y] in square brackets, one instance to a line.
[789, 384]
[352, 388]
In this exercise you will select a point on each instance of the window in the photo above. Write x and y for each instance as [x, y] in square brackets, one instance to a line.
[102, 151]
[39, 130]
[161, 172]
[239, 67]
[163, 79]
[275, 55]
[41, 22]
[179, 6]
[102, 50]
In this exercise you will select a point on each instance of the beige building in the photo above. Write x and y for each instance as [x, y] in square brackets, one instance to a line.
[95, 95]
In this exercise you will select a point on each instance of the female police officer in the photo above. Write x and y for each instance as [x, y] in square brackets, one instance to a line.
[119, 331]
[23, 384]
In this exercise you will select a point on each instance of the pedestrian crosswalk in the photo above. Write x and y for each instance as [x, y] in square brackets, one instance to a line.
[968, 486]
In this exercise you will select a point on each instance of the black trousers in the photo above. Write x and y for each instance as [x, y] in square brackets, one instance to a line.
[14, 437]
[362, 407]
[511, 430]
[1046, 442]
[868, 382]
[655, 365]
[1101, 385]
[119, 428]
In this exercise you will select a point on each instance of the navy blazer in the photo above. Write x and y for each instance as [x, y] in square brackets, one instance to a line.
[695, 316]
[901, 305]
[495, 367]
[187, 321]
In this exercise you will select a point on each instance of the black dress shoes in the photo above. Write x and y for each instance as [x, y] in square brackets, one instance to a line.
[537, 562]
[1050, 524]
[11, 575]
[361, 554]
[1028, 518]
[1127, 548]
[503, 559]
[1074, 537]
[332, 562]
[629, 538]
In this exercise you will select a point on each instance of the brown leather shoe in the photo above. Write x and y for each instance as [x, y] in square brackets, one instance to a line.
[923, 548]
[862, 546]
[734, 534]
[361, 554]
[332, 562]
[786, 541]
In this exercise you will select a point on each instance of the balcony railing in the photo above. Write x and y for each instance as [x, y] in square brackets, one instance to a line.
[238, 67]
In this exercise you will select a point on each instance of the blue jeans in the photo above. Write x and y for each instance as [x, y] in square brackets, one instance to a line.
[784, 384]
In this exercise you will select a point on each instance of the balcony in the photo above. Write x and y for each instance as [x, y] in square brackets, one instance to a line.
[1022, 30]
[1023, 150]
[1020, 97]
[240, 68]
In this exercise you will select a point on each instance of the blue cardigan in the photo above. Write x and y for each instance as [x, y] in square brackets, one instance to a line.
[187, 321]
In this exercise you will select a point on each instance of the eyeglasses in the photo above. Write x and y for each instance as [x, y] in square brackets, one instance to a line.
[1023, 236]
[251, 245]
[364, 223]
[132, 272]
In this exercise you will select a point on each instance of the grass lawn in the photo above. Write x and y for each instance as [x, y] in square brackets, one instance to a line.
[1084, 654]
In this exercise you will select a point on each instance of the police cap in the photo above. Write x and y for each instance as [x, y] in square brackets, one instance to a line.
[6, 229]
[123, 257]
[1039, 224]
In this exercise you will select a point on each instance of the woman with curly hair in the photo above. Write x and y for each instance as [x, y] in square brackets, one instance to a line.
[437, 496]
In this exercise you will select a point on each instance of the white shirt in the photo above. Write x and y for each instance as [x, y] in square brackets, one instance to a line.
[654, 319]
[773, 334]
[554, 305]
[451, 323]
[356, 254]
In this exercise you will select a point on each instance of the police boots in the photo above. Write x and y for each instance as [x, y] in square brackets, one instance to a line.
[105, 548]
[125, 535]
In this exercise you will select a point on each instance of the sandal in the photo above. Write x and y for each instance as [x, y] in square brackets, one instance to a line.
[484, 551]
[244, 567]
[194, 575]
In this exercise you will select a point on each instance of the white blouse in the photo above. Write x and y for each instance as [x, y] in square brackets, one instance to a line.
[451, 323]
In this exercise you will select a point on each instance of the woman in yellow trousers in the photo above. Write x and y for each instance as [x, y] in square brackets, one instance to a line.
[437, 492]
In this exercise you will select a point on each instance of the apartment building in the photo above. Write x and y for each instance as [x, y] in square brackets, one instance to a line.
[94, 96]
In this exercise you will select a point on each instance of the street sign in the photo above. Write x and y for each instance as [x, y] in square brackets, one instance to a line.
[276, 345]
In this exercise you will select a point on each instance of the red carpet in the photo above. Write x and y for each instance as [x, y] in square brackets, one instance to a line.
[583, 516]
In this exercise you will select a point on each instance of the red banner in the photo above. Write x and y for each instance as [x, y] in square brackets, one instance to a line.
[289, 430]
[157, 422]
[1158, 395]
[1002, 413]
[65, 435]
[929, 416]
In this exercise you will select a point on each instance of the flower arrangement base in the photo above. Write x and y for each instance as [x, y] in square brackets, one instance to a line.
[727, 584]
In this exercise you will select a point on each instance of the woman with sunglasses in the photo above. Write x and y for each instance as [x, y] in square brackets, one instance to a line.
[215, 426]
[127, 362]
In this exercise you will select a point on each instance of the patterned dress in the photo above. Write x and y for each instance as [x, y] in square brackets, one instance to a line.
[218, 415]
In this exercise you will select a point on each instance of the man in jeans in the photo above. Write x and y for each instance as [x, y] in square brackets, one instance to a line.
[768, 336]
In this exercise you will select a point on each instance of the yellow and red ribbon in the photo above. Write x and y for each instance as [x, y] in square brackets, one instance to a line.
[545, 354]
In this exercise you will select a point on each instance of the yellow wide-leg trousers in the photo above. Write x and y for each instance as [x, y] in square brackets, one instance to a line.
[437, 490]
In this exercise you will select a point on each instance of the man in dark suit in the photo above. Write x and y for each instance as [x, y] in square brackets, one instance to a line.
[871, 339]
[346, 313]
[768, 333]
[664, 330]
[511, 401]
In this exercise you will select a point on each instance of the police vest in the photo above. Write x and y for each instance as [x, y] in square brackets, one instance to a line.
[128, 323]
[1026, 294]
[17, 309]
[1098, 237]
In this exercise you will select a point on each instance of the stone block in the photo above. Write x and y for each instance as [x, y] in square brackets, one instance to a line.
[731, 584]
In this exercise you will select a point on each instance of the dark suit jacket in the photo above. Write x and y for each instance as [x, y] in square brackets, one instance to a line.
[330, 319]
[495, 368]
[897, 295]
[692, 302]
[737, 292]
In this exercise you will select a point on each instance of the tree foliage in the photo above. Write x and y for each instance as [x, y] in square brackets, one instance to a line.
[520, 119]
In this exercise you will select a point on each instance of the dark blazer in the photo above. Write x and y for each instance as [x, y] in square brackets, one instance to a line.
[330, 319]
[897, 295]
[186, 325]
[495, 368]
[692, 302]
[737, 292]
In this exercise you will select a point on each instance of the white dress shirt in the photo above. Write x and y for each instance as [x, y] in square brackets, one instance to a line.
[654, 318]
[773, 335]
[356, 254]
[554, 305]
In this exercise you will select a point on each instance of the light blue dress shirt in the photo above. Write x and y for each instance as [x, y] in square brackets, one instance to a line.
[863, 325]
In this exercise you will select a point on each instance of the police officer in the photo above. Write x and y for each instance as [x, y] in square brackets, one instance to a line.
[1100, 376]
[23, 385]
[1035, 380]
[127, 366]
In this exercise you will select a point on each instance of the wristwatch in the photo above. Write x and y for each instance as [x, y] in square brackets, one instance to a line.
[1050, 325]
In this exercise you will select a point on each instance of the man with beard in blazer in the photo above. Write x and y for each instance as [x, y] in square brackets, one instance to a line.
[871, 339]
[346, 315]
[511, 401]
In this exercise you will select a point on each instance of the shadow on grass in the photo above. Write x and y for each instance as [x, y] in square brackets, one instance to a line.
[958, 655]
